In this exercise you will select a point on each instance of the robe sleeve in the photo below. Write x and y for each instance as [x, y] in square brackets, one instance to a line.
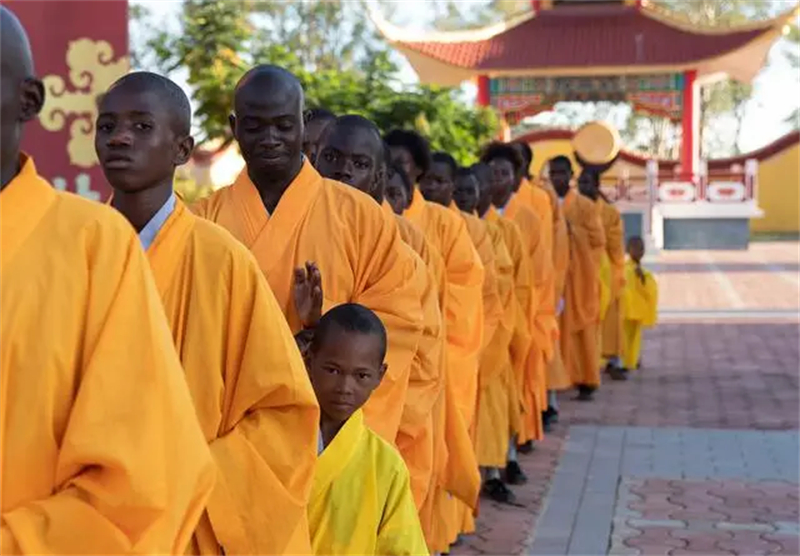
[385, 283]
[492, 305]
[615, 249]
[134, 469]
[266, 448]
[400, 532]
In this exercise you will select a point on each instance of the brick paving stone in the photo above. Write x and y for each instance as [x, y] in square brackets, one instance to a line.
[729, 378]
[750, 543]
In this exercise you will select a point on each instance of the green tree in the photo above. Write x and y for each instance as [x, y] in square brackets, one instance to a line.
[793, 37]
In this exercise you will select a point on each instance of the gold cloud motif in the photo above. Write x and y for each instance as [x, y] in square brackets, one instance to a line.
[92, 69]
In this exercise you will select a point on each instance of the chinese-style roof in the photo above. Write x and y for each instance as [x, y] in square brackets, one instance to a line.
[587, 39]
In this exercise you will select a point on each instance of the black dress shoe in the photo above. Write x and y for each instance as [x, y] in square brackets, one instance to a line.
[585, 393]
[514, 474]
[497, 491]
[618, 374]
[525, 448]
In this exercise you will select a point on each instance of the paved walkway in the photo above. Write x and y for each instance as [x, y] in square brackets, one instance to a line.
[698, 452]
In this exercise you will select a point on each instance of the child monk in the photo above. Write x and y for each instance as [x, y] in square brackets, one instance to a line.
[250, 389]
[361, 501]
[640, 303]
[101, 449]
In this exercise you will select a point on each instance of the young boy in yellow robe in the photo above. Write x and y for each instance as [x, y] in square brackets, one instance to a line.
[101, 449]
[640, 303]
[361, 501]
[246, 377]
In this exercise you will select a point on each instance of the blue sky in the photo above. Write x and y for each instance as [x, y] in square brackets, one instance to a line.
[777, 87]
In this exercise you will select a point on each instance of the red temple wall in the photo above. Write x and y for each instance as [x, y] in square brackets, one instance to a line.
[80, 47]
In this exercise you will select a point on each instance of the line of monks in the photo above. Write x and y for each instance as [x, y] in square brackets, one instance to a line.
[154, 396]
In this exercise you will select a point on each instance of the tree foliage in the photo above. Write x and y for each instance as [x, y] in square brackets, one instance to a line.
[332, 49]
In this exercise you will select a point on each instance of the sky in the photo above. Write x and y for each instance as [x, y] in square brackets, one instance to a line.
[776, 88]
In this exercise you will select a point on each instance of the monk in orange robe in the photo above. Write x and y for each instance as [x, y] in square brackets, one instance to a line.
[499, 394]
[316, 121]
[463, 310]
[580, 318]
[253, 397]
[352, 152]
[287, 214]
[102, 452]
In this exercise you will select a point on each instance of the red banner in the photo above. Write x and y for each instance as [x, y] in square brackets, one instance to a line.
[80, 47]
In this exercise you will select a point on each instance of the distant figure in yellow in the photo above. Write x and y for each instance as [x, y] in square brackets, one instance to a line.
[580, 319]
[361, 501]
[639, 302]
[101, 449]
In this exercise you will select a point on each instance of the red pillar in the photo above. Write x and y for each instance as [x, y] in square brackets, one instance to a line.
[690, 125]
[536, 5]
[484, 98]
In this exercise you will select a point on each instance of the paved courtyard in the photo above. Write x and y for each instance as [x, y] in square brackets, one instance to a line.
[698, 452]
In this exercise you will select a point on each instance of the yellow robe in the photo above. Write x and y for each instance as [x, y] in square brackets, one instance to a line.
[415, 439]
[360, 255]
[580, 319]
[537, 200]
[361, 501]
[525, 305]
[611, 329]
[253, 398]
[496, 373]
[463, 310]
[101, 449]
[641, 311]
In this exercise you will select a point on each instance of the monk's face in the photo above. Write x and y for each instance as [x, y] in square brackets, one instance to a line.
[483, 176]
[313, 134]
[403, 158]
[344, 370]
[351, 155]
[268, 125]
[136, 141]
[560, 176]
[503, 180]
[587, 185]
[465, 193]
[437, 184]
[396, 194]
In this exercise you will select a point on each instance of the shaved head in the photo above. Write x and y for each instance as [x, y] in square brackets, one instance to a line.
[168, 93]
[22, 94]
[268, 78]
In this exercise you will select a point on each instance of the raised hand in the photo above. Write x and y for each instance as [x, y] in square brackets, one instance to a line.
[308, 294]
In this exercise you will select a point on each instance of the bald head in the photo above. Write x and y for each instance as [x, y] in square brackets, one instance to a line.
[16, 48]
[22, 94]
[266, 79]
[166, 93]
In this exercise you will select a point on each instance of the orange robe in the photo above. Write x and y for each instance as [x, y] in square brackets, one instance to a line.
[360, 255]
[525, 298]
[415, 439]
[424, 449]
[580, 319]
[557, 375]
[101, 449]
[261, 426]
[611, 330]
[463, 312]
[496, 374]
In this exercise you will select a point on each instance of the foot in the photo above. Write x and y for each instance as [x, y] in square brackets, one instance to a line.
[514, 474]
[553, 415]
[497, 491]
[525, 448]
[618, 373]
[585, 394]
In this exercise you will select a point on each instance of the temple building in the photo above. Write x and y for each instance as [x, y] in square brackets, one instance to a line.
[620, 51]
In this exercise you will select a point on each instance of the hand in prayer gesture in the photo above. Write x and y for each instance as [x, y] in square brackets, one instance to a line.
[308, 294]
